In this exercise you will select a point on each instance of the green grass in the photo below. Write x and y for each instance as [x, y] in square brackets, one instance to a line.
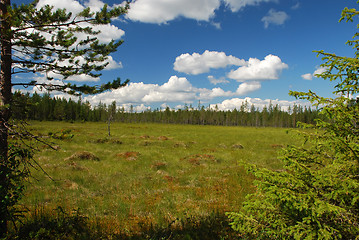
[150, 174]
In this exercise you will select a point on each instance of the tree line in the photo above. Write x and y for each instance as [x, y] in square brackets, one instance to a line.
[46, 108]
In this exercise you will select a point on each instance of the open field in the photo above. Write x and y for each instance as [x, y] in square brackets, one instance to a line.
[149, 173]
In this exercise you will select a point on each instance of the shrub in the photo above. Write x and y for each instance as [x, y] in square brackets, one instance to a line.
[316, 196]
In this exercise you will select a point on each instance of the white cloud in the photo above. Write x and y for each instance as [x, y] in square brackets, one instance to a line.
[175, 90]
[112, 64]
[132, 93]
[94, 5]
[42, 77]
[255, 69]
[236, 103]
[176, 84]
[318, 71]
[215, 81]
[80, 78]
[162, 11]
[202, 63]
[219, 92]
[208, 94]
[248, 87]
[108, 32]
[236, 5]
[217, 25]
[274, 17]
[230, 104]
[179, 89]
[134, 108]
[157, 96]
[307, 76]
[70, 5]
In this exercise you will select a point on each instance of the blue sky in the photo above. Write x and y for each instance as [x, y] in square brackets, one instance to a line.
[218, 52]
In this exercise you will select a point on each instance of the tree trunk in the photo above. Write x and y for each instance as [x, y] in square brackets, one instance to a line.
[109, 125]
[5, 100]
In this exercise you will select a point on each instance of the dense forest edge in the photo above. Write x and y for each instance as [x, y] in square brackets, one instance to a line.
[46, 108]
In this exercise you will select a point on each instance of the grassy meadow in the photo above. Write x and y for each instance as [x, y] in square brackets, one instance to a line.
[148, 174]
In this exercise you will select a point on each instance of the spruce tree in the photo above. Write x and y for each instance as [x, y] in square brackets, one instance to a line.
[316, 196]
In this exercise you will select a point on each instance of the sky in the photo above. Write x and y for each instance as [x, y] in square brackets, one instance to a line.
[179, 53]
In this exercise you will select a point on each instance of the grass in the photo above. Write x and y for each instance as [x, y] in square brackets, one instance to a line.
[148, 175]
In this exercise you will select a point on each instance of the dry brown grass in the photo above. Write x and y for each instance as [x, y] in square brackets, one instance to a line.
[130, 156]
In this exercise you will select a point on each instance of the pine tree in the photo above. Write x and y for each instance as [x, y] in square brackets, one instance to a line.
[316, 196]
[45, 41]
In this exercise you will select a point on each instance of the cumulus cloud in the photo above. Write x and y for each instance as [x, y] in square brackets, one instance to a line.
[318, 71]
[162, 11]
[42, 77]
[237, 5]
[208, 94]
[70, 5]
[176, 84]
[255, 69]
[136, 108]
[248, 87]
[94, 5]
[215, 81]
[236, 103]
[112, 64]
[108, 32]
[201, 63]
[307, 76]
[176, 89]
[275, 17]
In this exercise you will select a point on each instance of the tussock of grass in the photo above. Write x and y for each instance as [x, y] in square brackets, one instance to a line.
[83, 155]
[107, 140]
[130, 156]
[237, 146]
[142, 185]
[163, 138]
[197, 159]
[159, 165]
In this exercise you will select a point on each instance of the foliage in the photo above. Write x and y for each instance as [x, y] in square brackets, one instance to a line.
[48, 41]
[316, 196]
[43, 108]
[57, 224]
[15, 168]
[72, 224]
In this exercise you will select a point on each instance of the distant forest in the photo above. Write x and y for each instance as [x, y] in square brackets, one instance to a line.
[47, 108]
